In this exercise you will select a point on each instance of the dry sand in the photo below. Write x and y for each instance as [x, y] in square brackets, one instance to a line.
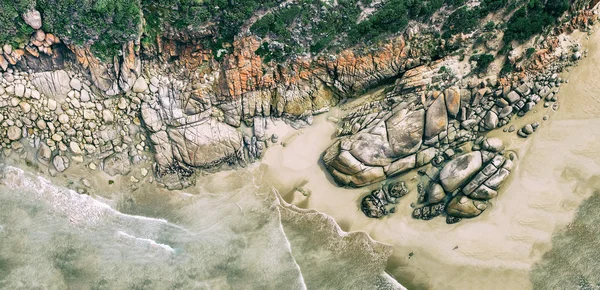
[495, 250]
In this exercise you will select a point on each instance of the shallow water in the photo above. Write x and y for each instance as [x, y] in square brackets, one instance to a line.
[235, 236]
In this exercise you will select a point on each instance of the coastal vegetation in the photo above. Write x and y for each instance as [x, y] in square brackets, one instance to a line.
[305, 26]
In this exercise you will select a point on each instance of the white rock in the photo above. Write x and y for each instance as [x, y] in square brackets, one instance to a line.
[19, 90]
[52, 105]
[140, 85]
[75, 103]
[123, 104]
[41, 124]
[75, 148]
[75, 84]
[85, 96]
[14, 133]
[56, 137]
[89, 114]
[33, 18]
[35, 94]
[63, 118]
[107, 116]
[61, 163]
[25, 107]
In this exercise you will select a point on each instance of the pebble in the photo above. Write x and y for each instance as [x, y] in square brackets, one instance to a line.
[25, 107]
[63, 118]
[52, 105]
[14, 133]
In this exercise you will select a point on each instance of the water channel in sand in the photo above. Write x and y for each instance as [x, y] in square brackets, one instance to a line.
[495, 250]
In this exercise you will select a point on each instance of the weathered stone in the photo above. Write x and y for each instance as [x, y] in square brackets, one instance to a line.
[89, 114]
[464, 207]
[63, 118]
[405, 132]
[512, 97]
[425, 156]
[492, 144]
[140, 85]
[458, 171]
[44, 154]
[3, 63]
[52, 84]
[452, 96]
[371, 149]
[401, 165]
[436, 120]
[75, 84]
[33, 18]
[483, 192]
[345, 163]
[107, 116]
[435, 193]
[205, 144]
[13, 133]
[151, 117]
[490, 121]
[19, 90]
[74, 146]
[117, 163]
[497, 179]
[61, 163]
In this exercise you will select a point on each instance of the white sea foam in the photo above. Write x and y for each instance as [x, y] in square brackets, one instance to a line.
[148, 242]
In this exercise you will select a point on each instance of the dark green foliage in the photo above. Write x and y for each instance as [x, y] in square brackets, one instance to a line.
[462, 20]
[533, 18]
[493, 5]
[104, 25]
[529, 52]
[483, 61]
[12, 28]
[276, 23]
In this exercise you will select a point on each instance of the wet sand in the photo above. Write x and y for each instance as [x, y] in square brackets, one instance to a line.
[495, 250]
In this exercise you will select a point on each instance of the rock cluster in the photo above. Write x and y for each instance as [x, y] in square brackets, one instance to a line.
[528, 130]
[464, 184]
[60, 114]
[375, 204]
[429, 121]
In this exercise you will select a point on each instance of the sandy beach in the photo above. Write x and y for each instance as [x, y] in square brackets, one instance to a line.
[497, 249]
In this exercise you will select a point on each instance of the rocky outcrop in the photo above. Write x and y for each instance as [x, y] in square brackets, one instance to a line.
[376, 204]
[54, 84]
[397, 136]
[459, 170]
[464, 184]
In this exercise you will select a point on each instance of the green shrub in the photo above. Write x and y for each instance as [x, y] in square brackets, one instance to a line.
[483, 61]
[13, 29]
[462, 20]
[104, 25]
[533, 19]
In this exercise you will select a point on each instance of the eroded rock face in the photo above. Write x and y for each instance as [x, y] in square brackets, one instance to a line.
[437, 117]
[390, 142]
[205, 144]
[53, 84]
[405, 132]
